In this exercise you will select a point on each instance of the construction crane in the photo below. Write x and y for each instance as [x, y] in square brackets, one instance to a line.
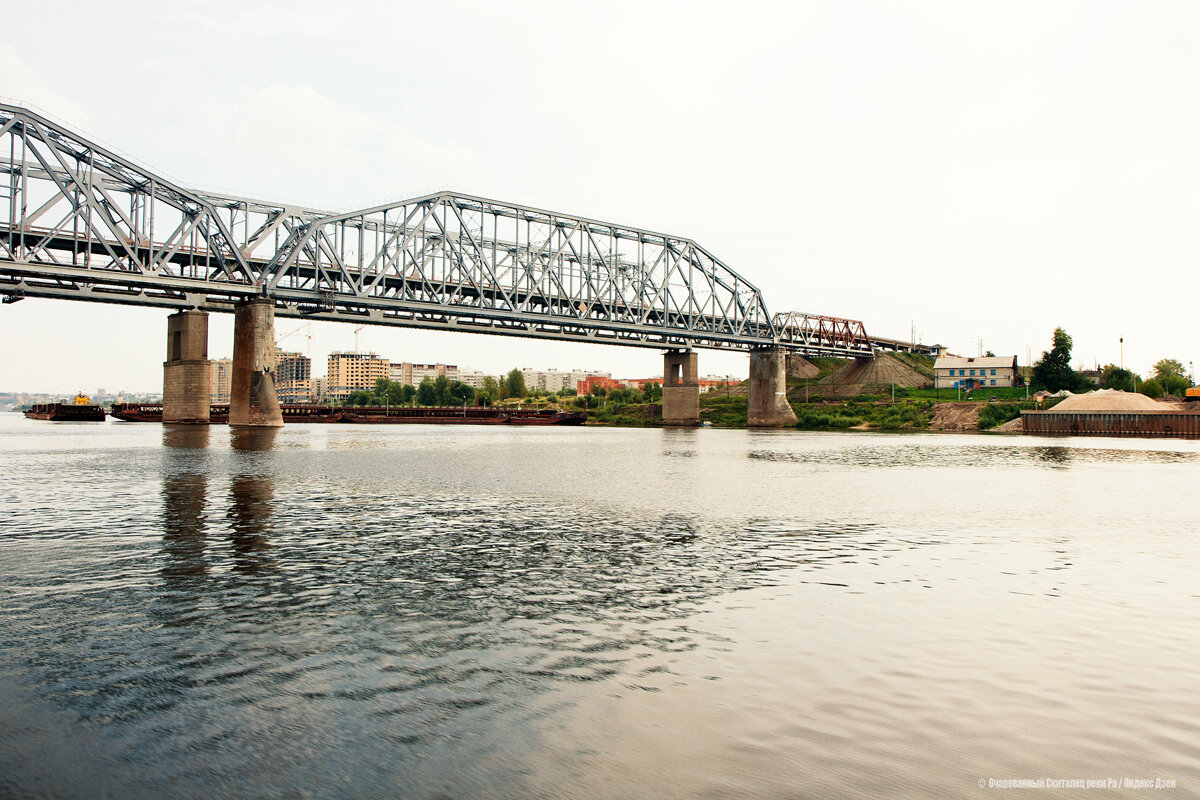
[305, 327]
[356, 332]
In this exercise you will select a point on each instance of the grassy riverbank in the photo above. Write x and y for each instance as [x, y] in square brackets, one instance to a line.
[913, 409]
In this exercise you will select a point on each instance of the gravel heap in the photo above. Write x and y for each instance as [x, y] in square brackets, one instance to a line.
[1111, 400]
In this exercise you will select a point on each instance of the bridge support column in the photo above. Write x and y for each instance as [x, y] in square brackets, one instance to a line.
[768, 404]
[185, 372]
[252, 400]
[681, 388]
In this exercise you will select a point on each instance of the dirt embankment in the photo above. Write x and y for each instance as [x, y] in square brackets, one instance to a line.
[955, 417]
[871, 376]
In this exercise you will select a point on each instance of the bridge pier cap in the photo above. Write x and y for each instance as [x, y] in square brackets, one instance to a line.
[253, 401]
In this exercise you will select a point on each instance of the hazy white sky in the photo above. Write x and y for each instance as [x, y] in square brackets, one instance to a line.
[979, 170]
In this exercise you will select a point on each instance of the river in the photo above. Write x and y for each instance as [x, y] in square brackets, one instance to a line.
[495, 612]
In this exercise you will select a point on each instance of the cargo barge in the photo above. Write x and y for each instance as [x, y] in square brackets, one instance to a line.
[218, 413]
[374, 415]
[1140, 424]
[81, 410]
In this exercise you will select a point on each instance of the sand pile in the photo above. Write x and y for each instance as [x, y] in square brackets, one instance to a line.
[1111, 400]
[1012, 426]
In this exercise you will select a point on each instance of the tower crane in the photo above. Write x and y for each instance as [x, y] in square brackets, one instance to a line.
[305, 327]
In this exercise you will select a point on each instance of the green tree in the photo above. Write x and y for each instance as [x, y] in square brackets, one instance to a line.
[1169, 373]
[394, 394]
[514, 383]
[620, 396]
[1168, 367]
[441, 386]
[426, 393]
[461, 393]
[653, 392]
[1176, 385]
[1052, 371]
[1114, 377]
[489, 392]
[1151, 388]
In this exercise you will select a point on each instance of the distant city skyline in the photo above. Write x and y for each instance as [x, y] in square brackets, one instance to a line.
[959, 170]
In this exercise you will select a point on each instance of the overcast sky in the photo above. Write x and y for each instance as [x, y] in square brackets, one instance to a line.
[981, 171]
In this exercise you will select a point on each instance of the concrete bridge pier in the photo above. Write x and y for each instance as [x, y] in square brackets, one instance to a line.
[681, 388]
[185, 372]
[768, 404]
[252, 401]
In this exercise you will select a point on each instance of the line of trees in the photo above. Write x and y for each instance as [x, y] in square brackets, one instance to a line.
[1167, 379]
[1053, 373]
[441, 391]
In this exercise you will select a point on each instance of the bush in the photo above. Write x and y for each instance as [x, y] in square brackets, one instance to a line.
[813, 420]
[1151, 388]
[994, 414]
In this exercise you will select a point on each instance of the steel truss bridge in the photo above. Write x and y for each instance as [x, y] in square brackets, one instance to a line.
[80, 222]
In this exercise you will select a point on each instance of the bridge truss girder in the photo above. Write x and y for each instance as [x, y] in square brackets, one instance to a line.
[79, 221]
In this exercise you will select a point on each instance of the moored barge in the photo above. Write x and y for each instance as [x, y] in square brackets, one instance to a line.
[81, 410]
[374, 415]
[218, 413]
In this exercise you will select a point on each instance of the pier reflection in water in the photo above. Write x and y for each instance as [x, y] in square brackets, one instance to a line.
[591, 613]
[187, 474]
[185, 479]
[251, 491]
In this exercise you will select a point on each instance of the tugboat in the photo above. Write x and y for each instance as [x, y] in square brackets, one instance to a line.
[81, 410]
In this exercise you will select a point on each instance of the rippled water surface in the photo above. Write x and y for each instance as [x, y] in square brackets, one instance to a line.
[350, 611]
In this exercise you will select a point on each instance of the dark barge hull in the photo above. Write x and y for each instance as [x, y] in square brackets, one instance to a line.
[1137, 424]
[219, 414]
[550, 418]
[66, 412]
[425, 416]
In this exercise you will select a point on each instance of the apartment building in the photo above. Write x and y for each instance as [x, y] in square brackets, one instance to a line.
[293, 377]
[472, 377]
[413, 374]
[220, 381]
[354, 372]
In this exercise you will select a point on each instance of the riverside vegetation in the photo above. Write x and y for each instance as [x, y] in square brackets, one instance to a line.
[912, 409]
[879, 406]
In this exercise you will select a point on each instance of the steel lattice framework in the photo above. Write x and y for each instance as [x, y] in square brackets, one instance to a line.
[78, 221]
